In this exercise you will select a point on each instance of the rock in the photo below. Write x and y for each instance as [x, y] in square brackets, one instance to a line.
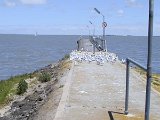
[25, 109]
[28, 107]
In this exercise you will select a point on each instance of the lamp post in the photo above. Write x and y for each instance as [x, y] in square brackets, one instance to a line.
[103, 24]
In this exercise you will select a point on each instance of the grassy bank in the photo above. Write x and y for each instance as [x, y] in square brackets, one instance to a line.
[156, 82]
[8, 87]
[155, 79]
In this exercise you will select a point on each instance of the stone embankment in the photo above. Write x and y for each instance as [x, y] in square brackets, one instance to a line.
[27, 107]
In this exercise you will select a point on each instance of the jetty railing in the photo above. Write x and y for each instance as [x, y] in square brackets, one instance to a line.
[149, 65]
[128, 62]
[96, 43]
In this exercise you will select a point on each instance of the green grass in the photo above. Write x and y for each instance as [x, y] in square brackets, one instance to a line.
[156, 81]
[66, 57]
[155, 78]
[22, 87]
[7, 87]
[44, 77]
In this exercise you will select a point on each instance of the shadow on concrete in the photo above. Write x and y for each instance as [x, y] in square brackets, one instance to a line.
[110, 113]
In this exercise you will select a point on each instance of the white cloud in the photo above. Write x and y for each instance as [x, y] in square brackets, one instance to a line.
[44, 29]
[132, 3]
[120, 12]
[33, 2]
[156, 27]
[9, 3]
[13, 3]
[128, 29]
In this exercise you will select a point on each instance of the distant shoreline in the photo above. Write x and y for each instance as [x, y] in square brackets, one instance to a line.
[76, 35]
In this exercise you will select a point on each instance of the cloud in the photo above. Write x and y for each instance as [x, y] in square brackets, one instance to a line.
[44, 29]
[13, 3]
[156, 29]
[124, 29]
[8, 3]
[120, 12]
[158, 25]
[132, 3]
[33, 2]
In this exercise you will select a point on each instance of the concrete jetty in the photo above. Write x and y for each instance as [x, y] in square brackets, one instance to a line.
[90, 44]
[97, 92]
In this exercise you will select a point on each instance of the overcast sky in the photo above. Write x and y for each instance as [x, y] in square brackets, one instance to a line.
[70, 17]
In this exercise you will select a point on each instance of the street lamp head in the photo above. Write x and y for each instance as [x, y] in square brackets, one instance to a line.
[90, 22]
[97, 10]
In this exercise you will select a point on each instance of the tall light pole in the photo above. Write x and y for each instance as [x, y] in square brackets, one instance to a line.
[93, 27]
[103, 25]
[149, 60]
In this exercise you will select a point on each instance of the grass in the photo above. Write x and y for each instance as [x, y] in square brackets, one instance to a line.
[7, 87]
[44, 77]
[155, 79]
[66, 57]
[22, 87]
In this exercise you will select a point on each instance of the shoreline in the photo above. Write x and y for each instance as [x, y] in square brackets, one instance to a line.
[27, 105]
[29, 72]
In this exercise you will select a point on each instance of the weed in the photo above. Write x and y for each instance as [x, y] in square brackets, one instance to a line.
[44, 77]
[22, 87]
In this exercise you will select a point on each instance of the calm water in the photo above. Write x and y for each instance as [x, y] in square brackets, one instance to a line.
[26, 53]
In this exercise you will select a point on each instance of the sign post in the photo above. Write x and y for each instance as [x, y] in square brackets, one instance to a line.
[104, 25]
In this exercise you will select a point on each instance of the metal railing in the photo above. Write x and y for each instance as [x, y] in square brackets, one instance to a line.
[96, 44]
[149, 65]
[128, 61]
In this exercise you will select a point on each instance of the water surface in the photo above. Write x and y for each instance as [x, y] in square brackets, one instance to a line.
[26, 53]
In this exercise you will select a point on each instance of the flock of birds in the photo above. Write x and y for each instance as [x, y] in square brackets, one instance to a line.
[99, 57]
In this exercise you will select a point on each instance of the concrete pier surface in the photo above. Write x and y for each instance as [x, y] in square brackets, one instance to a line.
[97, 92]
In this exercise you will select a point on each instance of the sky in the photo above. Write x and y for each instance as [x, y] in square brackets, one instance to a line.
[71, 17]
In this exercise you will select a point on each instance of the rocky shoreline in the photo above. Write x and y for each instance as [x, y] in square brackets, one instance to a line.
[27, 108]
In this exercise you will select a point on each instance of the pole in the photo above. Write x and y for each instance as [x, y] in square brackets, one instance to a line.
[104, 42]
[127, 87]
[149, 66]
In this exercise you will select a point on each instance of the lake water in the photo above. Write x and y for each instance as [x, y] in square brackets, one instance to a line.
[26, 53]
